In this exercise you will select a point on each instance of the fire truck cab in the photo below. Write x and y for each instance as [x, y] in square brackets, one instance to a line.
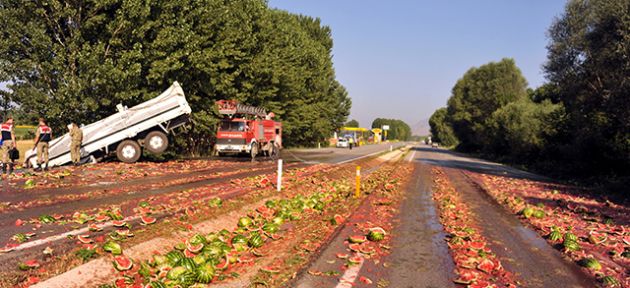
[247, 129]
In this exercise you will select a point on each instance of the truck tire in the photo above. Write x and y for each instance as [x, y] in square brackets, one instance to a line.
[128, 151]
[254, 151]
[156, 142]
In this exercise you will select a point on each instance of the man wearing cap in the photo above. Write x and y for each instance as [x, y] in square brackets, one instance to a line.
[76, 137]
[43, 135]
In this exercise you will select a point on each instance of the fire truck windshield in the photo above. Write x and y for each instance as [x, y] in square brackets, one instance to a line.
[232, 126]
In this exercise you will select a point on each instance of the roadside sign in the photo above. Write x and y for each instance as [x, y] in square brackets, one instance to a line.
[385, 127]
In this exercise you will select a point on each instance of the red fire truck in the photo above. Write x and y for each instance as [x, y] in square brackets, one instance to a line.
[247, 129]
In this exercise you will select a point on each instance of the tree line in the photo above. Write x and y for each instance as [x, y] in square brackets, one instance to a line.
[577, 123]
[75, 60]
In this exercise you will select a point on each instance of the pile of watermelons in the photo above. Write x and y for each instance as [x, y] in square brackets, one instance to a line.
[202, 257]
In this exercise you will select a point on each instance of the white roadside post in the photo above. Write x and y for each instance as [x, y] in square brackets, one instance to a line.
[279, 185]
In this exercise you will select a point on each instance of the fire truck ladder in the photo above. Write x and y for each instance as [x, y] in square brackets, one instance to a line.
[231, 108]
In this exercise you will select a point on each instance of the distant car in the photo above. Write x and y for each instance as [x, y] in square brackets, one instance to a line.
[435, 145]
[342, 143]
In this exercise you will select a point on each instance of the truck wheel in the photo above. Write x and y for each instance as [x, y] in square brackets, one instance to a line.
[128, 151]
[254, 151]
[156, 142]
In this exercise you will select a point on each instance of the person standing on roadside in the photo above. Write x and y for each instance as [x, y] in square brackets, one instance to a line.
[76, 137]
[8, 143]
[43, 135]
[350, 142]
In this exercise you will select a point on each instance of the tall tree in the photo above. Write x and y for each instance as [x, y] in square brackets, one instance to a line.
[441, 129]
[589, 61]
[479, 93]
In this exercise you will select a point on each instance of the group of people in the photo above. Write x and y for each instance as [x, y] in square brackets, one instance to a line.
[43, 136]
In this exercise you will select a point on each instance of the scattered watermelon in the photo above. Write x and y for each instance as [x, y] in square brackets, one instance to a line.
[342, 255]
[355, 260]
[610, 281]
[597, 238]
[95, 228]
[112, 247]
[174, 257]
[119, 223]
[205, 273]
[245, 222]
[357, 239]
[486, 265]
[194, 248]
[555, 234]
[239, 242]
[101, 218]
[27, 265]
[527, 212]
[590, 263]
[376, 234]
[122, 263]
[29, 184]
[270, 270]
[85, 239]
[255, 241]
[215, 202]
[146, 220]
[46, 219]
[354, 247]
[176, 272]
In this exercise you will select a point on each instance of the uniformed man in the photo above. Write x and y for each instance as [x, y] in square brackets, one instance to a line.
[43, 135]
[8, 143]
[76, 136]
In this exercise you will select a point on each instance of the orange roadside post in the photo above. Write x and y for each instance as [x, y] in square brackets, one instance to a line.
[357, 193]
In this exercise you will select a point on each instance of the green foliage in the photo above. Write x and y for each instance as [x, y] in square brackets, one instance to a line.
[86, 254]
[589, 61]
[479, 93]
[441, 129]
[519, 129]
[352, 123]
[398, 129]
[74, 61]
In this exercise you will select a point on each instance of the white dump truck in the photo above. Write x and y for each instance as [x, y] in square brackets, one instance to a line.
[125, 133]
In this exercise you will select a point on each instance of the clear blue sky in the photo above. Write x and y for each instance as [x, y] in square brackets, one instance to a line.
[400, 58]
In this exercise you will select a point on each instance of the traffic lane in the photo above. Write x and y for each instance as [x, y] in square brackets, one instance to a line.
[520, 249]
[332, 155]
[420, 256]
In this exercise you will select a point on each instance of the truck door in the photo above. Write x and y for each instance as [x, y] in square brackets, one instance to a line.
[261, 131]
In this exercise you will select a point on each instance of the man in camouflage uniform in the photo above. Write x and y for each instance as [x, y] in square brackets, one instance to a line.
[76, 136]
[8, 142]
[43, 135]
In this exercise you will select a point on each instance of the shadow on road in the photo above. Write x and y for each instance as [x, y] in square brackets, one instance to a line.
[464, 162]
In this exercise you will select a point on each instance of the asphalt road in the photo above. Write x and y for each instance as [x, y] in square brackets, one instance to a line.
[420, 256]
[334, 155]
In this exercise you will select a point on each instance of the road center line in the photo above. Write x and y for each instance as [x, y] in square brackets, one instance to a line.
[361, 157]
[413, 156]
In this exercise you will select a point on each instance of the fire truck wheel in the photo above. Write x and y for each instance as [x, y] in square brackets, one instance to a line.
[128, 151]
[254, 150]
[156, 142]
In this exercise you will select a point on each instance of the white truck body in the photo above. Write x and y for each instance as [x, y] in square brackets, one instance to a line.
[166, 111]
